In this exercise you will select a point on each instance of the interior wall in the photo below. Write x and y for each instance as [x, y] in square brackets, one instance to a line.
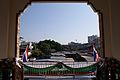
[104, 7]
[115, 22]
[111, 22]
[8, 22]
[4, 28]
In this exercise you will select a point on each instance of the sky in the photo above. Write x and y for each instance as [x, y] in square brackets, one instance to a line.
[62, 22]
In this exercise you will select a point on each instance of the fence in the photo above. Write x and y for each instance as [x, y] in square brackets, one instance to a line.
[59, 69]
[107, 69]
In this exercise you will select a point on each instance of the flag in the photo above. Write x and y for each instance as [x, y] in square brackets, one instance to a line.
[95, 54]
[25, 55]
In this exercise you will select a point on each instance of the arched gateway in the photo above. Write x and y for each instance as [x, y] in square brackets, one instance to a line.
[109, 18]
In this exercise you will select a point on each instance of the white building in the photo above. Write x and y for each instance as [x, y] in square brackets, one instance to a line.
[92, 38]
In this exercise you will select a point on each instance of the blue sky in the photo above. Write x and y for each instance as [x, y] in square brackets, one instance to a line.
[62, 22]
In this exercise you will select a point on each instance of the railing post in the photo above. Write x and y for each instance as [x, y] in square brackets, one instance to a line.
[17, 71]
[13, 69]
[22, 72]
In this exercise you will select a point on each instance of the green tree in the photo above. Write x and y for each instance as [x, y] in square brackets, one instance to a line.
[49, 45]
[45, 48]
[36, 53]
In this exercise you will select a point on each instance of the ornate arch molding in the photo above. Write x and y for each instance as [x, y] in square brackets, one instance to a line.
[89, 2]
[101, 27]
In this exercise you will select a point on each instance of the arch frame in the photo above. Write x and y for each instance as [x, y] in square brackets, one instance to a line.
[90, 3]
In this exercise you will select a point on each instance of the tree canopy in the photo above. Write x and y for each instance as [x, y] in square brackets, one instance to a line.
[44, 48]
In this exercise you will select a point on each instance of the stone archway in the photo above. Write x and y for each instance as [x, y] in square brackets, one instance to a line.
[109, 25]
[106, 8]
[81, 1]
